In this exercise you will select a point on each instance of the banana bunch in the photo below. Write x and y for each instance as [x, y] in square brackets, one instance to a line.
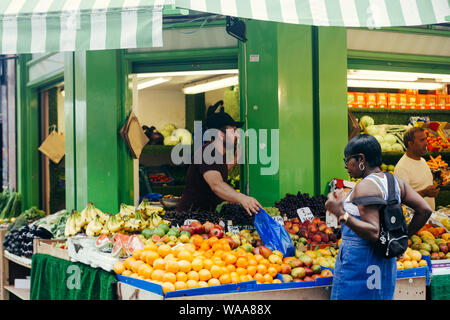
[72, 224]
[126, 212]
[135, 224]
[94, 227]
[147, 210]
[155, 220]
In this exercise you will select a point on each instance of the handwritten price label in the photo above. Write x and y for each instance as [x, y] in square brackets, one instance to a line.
[305, 214]
[279, 219]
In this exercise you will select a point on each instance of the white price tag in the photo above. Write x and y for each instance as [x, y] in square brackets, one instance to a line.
[305, 214]
[189, 221]
[279, 219]
[331, 220]
[233, 229]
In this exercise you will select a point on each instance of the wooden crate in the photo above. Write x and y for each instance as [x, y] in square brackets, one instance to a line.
[45, 246]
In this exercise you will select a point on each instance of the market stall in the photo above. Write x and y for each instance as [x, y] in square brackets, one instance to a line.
[150, 253]
[140, 244]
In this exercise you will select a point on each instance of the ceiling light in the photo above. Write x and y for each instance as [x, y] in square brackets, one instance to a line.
[151, 82]
[211, 84]
[394, 84]
[188, 73]
[395, 75]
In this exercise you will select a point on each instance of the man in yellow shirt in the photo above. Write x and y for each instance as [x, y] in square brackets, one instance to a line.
[414, 169]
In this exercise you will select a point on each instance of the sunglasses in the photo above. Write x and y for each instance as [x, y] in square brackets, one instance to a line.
[347, 159]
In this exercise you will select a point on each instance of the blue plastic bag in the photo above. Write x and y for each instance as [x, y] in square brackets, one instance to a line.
[274, 235]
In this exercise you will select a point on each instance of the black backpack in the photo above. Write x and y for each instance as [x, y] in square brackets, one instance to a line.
[393, 238]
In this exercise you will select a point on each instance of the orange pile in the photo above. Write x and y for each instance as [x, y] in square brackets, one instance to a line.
[201, 263]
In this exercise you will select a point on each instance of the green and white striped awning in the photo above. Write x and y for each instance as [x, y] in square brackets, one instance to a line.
[36, 26]
[349, 13]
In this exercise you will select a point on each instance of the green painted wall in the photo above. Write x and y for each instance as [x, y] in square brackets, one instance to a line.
[298, 86]
[28, 170]
[279, 96]
[97, 118]
[331, 71]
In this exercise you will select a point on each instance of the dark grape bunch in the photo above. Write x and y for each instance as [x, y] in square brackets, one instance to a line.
[290, 203]
[234, 212]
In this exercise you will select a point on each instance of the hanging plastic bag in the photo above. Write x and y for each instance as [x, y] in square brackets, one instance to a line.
[274, 235]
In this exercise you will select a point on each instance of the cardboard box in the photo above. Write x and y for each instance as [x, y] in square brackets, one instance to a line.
[431, 101]
[411, 100]
[447, 102]
[351, 99]
[393, 101]
[402, 100]
[382, 100]
[371, 100]
[22, 283]
[441, 101]
[421, 101]
[360, 100]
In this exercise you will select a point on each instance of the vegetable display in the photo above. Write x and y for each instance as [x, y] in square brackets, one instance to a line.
[10, 206]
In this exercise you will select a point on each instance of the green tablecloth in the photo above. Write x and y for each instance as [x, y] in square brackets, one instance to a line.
[57, 279]
[440, 287]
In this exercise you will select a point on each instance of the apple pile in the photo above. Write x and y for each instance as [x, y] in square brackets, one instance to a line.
[246, 239]
[301, 268]
[314, 232]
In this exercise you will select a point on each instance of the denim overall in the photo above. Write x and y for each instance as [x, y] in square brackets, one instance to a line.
[359, 273]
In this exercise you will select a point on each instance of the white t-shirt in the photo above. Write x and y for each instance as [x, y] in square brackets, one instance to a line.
[416, 173]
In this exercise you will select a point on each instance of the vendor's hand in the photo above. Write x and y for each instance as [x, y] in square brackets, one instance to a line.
[334, 203]
[250, 204]
[431, 191]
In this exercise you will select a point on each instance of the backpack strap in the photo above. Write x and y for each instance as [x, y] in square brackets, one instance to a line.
[368, 200]
[391, 188]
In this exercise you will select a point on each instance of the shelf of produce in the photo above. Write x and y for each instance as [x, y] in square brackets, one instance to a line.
[23, 294]
[129, 292]
[387, 110]
[399, 116]
[25, 262]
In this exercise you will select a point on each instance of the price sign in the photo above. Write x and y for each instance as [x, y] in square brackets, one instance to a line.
[233, 229]
[189, 221]
[279, 219]
[331, 220]
[305, 214]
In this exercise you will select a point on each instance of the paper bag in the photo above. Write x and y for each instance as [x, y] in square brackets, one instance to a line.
[54, 146]
[134, 136]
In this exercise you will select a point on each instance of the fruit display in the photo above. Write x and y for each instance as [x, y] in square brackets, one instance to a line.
[387, 168]
[302, 268]
[159, 178]
[431, 241]
[20, 241]
[313, 233]
[10, 206]
[290, 203]
[94, 222]
[225, 212]
[411, 259]
[172, 236]
[436, 163]
[202, 263]
[272, 211]
[437, 141]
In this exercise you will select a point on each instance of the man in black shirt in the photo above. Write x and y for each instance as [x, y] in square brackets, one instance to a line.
[206, 184]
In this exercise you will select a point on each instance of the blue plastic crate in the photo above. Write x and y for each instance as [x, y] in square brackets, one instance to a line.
[414, 272]
[157, 289]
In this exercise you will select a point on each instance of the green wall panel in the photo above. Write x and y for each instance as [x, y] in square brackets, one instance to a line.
[98, 112]
[262, 98]
[331, 72]
[69, 119]
[28, 171]
[295, 89]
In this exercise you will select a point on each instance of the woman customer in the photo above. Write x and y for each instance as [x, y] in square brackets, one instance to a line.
[359, 272]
